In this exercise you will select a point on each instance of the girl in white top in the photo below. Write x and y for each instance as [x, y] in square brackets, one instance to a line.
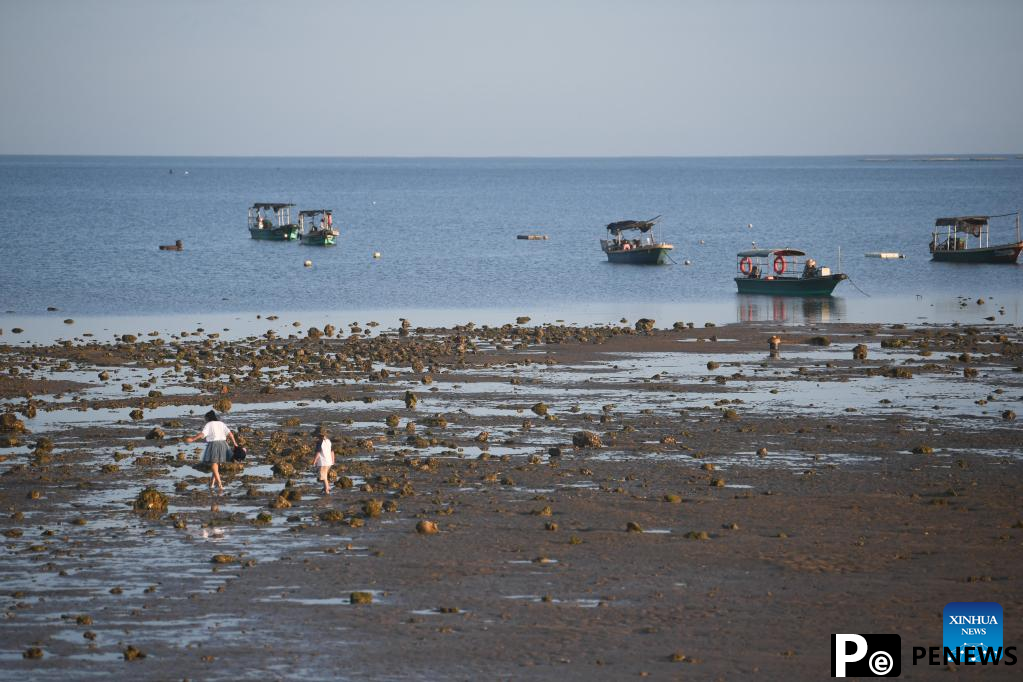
[217, 435]
[324, 459]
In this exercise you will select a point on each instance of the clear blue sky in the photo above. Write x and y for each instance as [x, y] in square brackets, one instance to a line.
[514, 78]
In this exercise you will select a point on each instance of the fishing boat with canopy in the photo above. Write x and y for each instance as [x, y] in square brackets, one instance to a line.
[644, 250]
[272, 221]
[316, 227]
[783, 272]
[967, 239]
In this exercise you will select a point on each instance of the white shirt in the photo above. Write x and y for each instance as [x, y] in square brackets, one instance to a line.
[214, 431]
[324, 455]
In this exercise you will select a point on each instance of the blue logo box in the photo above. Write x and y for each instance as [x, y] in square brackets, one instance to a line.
[972, 624]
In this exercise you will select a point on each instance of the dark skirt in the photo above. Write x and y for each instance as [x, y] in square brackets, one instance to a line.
[216, 452]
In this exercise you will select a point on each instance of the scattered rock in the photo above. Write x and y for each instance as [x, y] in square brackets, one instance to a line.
[224, 559]
[425, 527]
[644, 325]
[361, 597]
[540, 409]
[697, 535]
[32, 652]
[156, 434]
[133, 654]
[151, 500]
[923, 450]
[222, 405]
[633, 527]
[859, 352]
[586, 439]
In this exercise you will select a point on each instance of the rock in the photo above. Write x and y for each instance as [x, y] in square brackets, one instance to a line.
[280, 502]
[697, 535]
[425, 527]
[540, 409]
[819, 341]
[151, 500]
[313, 333]
[283, 470]
[133, 654]
[672, 498]
[9, 423]
[129, 338]
[1008, 415]
[729, 414]
[482, 437]
[900, 373]
[633, 527]
[859, 352]
[361, 597]
[84, 619]
[679, 326]
[970, 372]
[156, 434]
[586, 439]
[554, 452]
[645, 325]
[32, 652]
[104, 375]
[224, 559]
[717, 483]
[393, 420]
[136, 414]
[774, 343]
[762, 452]
[69, 321]
[711, 365]
[669, 440]
[923, 450]
[372, 508]
[410, 400]
[222, 405]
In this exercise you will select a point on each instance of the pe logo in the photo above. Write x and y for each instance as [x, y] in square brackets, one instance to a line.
[973, 627]
[866, 655]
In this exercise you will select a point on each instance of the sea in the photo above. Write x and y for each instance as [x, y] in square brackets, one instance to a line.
[434, 240]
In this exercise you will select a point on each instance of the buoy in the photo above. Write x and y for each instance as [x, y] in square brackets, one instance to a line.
[687, 262]
[750, 226]
[376, 254]
[308, 264]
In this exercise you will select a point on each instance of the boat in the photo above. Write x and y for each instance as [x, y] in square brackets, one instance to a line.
[951, 240]
[277, 228]
[645, 250]
[783, 272]
[316, 227]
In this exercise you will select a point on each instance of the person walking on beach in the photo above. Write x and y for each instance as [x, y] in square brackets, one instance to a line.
[324, 458]
[217, 452]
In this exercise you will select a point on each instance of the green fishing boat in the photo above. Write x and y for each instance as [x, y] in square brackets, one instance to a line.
[783, 272]
[951, 240]
[316, 227]
[645, 250]
[272, 221]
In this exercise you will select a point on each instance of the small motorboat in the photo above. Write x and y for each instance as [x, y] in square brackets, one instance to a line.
[783, 272]
[316, 227]
[950, 241]
[645, 250]
[263, 226]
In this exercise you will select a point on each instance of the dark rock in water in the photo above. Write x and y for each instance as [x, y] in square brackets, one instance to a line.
[425, 527]
[860, 352]
[9, 423]
[521, 320]
[69, 321]
[633, 527]
[540, 409]
[410, 400]
[679, 326]
[819, 341]
[156, 434]
[32, 652]
[645, 325]
[372, 508]
[136, 414]
[762, 452]
[16, 330]
[133, 654]
[222, 405]
[332, 516]
[923, 450]
[554, 452]
[672, 498]
[283, 470]
[224, 559]
[151, 500]
[970, 372]
[1008, 415]
[280, 502]
[586, 439]
[361, 597]
[698, 535]
[313, 333]
[711, 365]
[393, 420]
[104, 375]
[129, 338]
[900, 373]
[344, 482]
[482, 437]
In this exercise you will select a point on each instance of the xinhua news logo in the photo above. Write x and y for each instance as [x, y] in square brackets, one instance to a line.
[866, 655]
[974, 628]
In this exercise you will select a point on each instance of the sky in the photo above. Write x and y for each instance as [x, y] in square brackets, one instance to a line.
[470, 78]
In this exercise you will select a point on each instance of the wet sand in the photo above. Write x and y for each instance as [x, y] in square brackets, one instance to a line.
[771, 500]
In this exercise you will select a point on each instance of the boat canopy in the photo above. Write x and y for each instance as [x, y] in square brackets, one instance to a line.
[764, 253]
[270, 207]
[315, 211]
[966, 223]
[641, 225]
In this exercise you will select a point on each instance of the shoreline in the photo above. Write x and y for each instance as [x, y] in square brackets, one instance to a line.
[868, 468]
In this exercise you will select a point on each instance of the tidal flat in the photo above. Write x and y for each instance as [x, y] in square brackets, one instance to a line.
[511, 502]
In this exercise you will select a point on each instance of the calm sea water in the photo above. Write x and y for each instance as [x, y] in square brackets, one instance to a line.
[81, 234]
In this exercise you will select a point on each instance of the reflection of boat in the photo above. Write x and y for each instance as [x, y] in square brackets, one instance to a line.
[796, 310]
[784, 278]
[643, 251]
[952, 244]
[313, 233]
[262, 226]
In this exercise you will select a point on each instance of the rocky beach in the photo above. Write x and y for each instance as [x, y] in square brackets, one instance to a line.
[511, 502]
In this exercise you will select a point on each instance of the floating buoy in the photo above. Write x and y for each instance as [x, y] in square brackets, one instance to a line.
[687, 262]
[376, 254]
[750, 226]
[308, 264]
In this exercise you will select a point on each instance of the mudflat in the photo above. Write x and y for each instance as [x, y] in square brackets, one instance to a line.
[510, 502]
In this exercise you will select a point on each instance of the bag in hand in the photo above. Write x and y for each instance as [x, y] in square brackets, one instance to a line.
[239, 454]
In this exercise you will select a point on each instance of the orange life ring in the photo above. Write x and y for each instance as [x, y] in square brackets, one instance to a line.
[746, 265]
[779, 265]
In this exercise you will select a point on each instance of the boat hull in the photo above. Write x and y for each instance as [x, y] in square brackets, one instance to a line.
[320, 239]
[276, 234]
[1002, 253]
[789, 286]
[644, 255]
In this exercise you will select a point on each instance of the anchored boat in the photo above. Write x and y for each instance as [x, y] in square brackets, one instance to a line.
[951, 240]
[645, 250]
[272, 221]
[316, 226]
[783, 272]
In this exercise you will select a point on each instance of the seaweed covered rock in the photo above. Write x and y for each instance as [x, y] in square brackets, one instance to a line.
[586, 439]
[9, 423]
[151, 500]
[645, 325]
